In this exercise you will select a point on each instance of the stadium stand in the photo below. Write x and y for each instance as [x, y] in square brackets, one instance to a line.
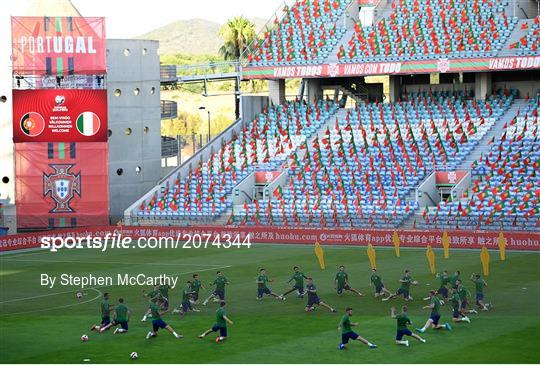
[306, 34]
[420, 30]
[360, 172]
[506, 188]
[528, 44]
[264, 143]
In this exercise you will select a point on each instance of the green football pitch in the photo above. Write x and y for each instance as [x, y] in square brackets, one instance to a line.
[45, 325]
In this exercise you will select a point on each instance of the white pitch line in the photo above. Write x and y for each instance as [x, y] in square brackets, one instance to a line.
[59, 307]
[105, 262]
[74, 290]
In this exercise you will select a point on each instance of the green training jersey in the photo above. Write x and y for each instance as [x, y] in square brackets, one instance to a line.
[154, 294]
[261, 281]
[479, 285]
[406, 283]
[220, 282]
[463, 292]
[445, 279]
[346, 324]
[164, 290]
[105, 308]
[453, 279]
[121, 313]
[196, 285]
[437, 306]
[455, 301]
[341, 278]
[154, 309]
[402, 321]
[298, 278]
[220, 317]
[376, 280]
[186, 293]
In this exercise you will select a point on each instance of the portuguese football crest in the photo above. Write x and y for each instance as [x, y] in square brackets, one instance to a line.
[61, 186]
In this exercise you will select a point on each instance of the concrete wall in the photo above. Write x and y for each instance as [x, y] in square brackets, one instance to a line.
[134, 121]
[246, 186]
[276, 91]
[427, 187]
[314, 90]
[252, 106]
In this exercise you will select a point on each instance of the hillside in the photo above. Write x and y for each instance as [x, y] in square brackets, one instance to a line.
[193, 36]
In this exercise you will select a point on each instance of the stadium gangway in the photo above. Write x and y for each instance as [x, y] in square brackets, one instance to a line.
[212, 71]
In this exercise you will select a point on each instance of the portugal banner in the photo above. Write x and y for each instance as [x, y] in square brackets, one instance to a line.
[59, 115]
[58, 45]
[61, 184]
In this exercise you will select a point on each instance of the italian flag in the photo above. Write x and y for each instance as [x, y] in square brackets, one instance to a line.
[88, 123]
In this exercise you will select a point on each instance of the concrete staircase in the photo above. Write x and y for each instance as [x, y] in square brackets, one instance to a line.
[495, 131]
[515, 36]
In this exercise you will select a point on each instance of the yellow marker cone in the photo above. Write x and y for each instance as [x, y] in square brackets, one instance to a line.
[431, 258]
[484, 257]
[320, 255]
[502, 246]
[396, 241]
[446, 244]
[372, 256]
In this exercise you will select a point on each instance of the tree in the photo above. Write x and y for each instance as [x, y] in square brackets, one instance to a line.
[183, 125]
[237, 34]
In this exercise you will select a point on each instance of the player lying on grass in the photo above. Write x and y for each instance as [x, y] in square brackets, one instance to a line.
[341, 282]
[455, 300]
[121, 317]
[464, 294]
[155, 294]
[313, 298]
[106, 310]
[345, 327]
[196, 286]
[185, 305]
[433, 321]
[403, 322]
[262, 288]
[220, 325]
[405, 288]
[480, 284]
[219, 292]
[157, 322]
[445, 280]
[298, 278]
[377, 283]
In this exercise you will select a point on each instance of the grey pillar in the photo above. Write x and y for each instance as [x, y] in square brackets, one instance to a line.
[276, 91]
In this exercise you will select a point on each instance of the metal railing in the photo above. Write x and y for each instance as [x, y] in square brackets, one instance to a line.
[167, 74]
[169, 109]
[210, 68]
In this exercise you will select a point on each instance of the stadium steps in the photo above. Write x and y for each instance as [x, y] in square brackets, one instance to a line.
[382, 10]
[332, 58]
[515, 36]
[496, 131]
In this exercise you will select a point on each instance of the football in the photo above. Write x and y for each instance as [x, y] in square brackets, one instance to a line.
[84, 338]
[133, 355]
[79, 295]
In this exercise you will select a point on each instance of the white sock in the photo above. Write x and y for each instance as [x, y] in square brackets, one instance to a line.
[144, 317]
[121, 330]
[370, 344]
[402, 343]
[175, 334]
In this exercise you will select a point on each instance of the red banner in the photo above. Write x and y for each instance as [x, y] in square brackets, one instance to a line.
[59, 115]
[265, 177]
[61, 184]
[58, 45]
[528, 241]
[449, 177]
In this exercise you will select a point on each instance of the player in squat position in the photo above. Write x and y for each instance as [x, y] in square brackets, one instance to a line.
[345, 327]
[455, 300]
[262, 288]
[313, 298]
[433, 321]
[121, 317]
[186, 306]
[341, 282]
[377, 282]
[196, 286]
[157, 322]
[445, 280]
[405, 288]
[298, 278]
[106, 310]
[402, 327]
[219, 292]
[220, 325]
